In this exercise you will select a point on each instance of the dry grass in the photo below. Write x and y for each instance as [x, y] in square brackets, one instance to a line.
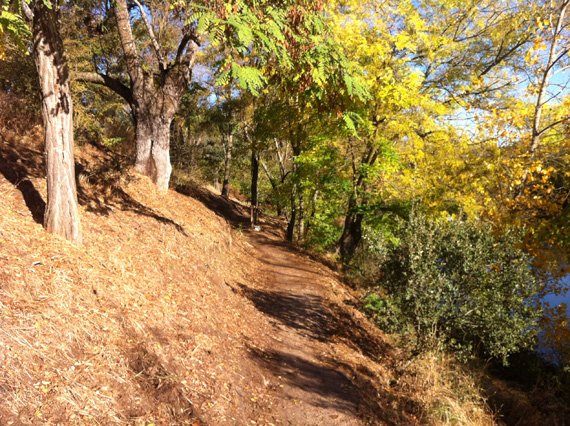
[135, 327]
[450, 395]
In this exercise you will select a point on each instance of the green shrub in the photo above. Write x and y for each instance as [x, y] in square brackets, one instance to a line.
[458, 284]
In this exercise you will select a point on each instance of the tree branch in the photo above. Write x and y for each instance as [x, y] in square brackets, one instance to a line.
[127, 41]
[500, 58]
[269, 175]
[27, 11]
[551, 125]
[104, 80]
[155, 45]
[181, 47]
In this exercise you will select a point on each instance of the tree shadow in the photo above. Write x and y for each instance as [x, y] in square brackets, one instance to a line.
[98, 187]
[18, 167]
[328, 387]
[332, 384]
[317, 318]
[233, 212]
[102, 191]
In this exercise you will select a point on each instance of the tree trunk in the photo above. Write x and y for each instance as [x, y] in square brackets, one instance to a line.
[301, 219]
[161, 154]
[62, 212]
[216, 182]
[143, 137]
[154, 95]
[227, 166]
[351, 235]
[311, 220]
[273, 183]
[254, 188]
[293, 218]
[153, 148]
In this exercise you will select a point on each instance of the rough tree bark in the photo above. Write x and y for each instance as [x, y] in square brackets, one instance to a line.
[351, 235]
[62, 212]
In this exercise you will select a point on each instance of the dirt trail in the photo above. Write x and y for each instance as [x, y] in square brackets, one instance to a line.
[322, 361]
[311, 390]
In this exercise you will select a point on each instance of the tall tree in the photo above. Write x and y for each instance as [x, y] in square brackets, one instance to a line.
[426, 62]
[155, 91]
[62, 212]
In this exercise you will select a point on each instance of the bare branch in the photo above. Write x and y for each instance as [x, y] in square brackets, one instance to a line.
[27, 11]
[181, 47]
[153, 39]
[127, 41]
[551, 125]
[269, 175]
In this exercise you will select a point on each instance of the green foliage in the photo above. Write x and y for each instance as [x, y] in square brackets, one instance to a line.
[387, 314]
[212, 157]
[460, 285]
[286, 36]
[12, 25]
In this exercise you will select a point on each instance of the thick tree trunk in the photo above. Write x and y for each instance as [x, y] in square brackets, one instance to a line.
[161, 156]
[254, 216]
[154, 94]
[153, 149]
[155, 101]
[227, 166]
[62, 212]
[351, 235]
[143, 136]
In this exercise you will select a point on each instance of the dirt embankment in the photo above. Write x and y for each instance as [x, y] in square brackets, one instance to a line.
[169, 314]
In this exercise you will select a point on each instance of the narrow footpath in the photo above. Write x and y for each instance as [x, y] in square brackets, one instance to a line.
[312, 391]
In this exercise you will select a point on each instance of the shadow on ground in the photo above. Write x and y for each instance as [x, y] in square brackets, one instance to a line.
[329, 387]
[98, 186]
[340, 386]
[18, 167]
[234, 213]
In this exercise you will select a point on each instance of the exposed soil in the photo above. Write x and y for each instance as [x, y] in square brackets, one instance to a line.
[311, 390]
[325, 364]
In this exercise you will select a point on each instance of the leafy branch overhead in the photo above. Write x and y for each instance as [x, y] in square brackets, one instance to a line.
[283, 36]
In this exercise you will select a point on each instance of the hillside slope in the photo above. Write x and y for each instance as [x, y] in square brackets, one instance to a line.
[171, 314]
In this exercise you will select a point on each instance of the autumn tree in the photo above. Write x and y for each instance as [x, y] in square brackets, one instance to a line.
[426, 62]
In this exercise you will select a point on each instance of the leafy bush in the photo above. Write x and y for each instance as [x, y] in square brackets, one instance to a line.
[458, 284]
[388, 315]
